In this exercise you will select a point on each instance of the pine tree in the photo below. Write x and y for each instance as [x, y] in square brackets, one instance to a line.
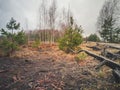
[11, 39]
[107, 21]
[71, 39]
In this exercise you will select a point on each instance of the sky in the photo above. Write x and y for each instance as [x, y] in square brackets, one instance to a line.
[85, 12]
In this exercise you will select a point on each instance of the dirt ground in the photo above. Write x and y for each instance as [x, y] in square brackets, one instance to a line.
[48, 68]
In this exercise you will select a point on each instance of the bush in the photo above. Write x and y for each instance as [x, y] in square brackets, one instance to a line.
[11, 40]
[94, 38]
[21, 38]
[36, 43]
[81, 56]
[7, 47]
[71, 39]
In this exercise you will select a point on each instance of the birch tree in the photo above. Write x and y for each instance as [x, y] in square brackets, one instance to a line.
[43, 20]
[52, 17]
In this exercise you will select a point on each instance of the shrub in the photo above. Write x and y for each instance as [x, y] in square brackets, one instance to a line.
[21, 38]
[101, 74]
[94, 38]
[7, 47]
[71, 39]
[81, 56]
[36, 43]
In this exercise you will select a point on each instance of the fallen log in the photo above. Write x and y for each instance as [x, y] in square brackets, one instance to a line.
[116, 74]
[109, 62]
[3, 71]
[94, 48]
[105, 61]
[115, 46]
[112, 56]
[100, 65]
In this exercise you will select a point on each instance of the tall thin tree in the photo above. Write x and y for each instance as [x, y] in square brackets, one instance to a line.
[108, 18]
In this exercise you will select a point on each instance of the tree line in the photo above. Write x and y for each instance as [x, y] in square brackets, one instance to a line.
[69, 34]
[51, 20]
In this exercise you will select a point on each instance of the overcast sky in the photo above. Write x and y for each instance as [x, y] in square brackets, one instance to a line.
[25, 11]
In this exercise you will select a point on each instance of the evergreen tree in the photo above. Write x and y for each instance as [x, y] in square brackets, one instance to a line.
[71, 39]
[10, 39]
[108, 21]
[94, 38]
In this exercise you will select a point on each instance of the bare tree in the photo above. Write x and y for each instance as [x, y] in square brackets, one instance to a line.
[65, 20]
[52, 18]
[47, 19]
[43, 19]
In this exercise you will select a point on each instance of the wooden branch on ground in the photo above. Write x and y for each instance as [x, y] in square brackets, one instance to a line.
[75, 52]
[3, 71]
[105, 61]
[109, 62]
[110, 46]
[115, 47]
[112, 56]
[116, 74]
[94, 48]
[100, 65]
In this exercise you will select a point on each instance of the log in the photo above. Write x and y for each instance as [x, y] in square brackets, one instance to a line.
[112, 56]
[109, 62]
[3, 71]
[116, 74]
[94, 48]
[100, 65]
[115, 46]
[105, 61]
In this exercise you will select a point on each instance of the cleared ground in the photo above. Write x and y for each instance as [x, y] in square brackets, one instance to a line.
[48, 68]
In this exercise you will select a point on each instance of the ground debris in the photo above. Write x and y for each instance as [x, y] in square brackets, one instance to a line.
[52, 69]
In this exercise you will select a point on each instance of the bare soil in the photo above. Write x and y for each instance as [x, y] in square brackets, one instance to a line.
[48, 68]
